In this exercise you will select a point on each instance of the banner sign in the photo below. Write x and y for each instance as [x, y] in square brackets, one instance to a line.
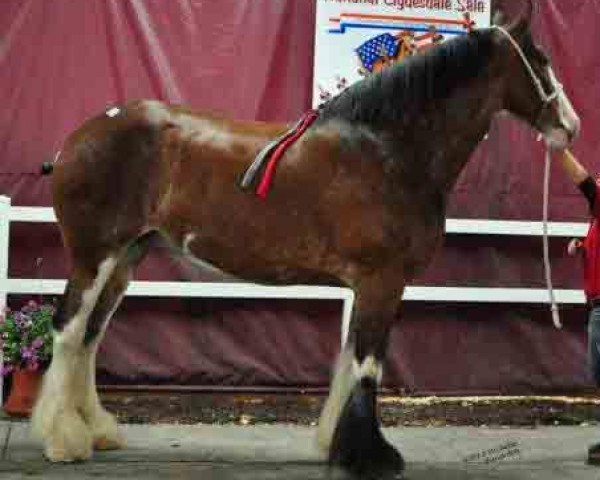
[355, 38]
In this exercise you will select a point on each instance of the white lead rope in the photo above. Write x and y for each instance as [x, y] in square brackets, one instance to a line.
[547, 269]
[546, 98]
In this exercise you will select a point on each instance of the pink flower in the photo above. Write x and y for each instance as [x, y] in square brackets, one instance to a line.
[26, 353]
[37, 343]
[20, 319]
[6, 369]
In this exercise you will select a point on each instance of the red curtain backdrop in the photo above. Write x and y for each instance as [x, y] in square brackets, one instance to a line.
[63, 61]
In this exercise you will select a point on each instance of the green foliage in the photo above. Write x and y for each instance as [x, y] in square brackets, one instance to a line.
[26, 337]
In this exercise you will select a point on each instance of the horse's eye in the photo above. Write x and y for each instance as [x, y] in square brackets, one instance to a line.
[542, 58]
[539, 55]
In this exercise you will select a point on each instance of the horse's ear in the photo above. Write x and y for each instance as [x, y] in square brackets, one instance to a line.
[520, 26]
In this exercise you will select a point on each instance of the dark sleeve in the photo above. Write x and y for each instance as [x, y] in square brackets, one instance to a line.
[589, 189]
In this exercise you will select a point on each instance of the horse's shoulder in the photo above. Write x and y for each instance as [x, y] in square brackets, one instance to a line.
[341, 134]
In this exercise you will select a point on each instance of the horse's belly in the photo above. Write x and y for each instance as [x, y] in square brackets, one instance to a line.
[246, 238]
[263, 261]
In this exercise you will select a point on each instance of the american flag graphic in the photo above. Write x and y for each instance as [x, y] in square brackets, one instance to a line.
[375, 48]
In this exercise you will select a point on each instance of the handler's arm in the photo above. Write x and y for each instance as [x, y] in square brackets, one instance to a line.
[580, 177]
[573, 168]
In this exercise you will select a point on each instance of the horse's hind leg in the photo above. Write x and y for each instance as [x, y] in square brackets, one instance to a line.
[349, 430]
[68, 415]
[57, 416]
[103, 425]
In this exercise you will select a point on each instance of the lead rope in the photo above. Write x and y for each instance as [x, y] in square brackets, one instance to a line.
[547, 268]
[546, 98]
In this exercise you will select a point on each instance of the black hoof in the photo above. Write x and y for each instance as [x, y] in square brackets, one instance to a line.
[358, 444]
[594, 454]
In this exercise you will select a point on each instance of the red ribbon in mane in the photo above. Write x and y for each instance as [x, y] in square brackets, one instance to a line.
[265, 183]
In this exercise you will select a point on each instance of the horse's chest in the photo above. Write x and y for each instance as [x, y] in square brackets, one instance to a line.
[416, 238]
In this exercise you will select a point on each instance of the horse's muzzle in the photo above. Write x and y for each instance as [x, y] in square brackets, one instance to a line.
[558, 138]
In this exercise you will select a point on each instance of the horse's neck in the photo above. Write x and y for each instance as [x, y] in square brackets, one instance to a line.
[464, 135]
[446, 137]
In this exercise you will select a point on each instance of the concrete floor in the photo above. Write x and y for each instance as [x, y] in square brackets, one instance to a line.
[288, 452]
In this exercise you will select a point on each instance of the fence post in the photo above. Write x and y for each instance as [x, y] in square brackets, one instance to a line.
[348, 305]
[4, 244]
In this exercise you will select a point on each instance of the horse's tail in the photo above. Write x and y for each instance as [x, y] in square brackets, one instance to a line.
[46, 168]
[48, 165]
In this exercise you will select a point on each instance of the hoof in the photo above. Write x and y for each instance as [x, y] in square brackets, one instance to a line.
[62, 456]
[67, 438]
[105, 431]
[63, 452]
[358, 444]
[594, 455]
[105, 443]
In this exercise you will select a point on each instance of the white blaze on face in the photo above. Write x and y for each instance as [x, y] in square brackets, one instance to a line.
[556, 137]
[113, 112]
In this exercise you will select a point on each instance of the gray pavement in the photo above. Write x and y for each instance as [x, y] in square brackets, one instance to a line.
[289, 453]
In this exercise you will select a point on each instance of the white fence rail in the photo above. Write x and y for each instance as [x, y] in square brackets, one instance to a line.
[9, 286]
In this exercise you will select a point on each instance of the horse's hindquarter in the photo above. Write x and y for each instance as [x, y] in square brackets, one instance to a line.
[104, 184]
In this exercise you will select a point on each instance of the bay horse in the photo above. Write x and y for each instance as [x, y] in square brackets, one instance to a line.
[359, 200]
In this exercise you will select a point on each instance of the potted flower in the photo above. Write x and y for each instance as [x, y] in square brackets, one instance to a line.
[26, 341]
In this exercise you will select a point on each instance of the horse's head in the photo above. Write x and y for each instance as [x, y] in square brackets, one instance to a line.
[533, 91]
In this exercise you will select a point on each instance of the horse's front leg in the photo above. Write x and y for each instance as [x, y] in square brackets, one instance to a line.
[349, 428]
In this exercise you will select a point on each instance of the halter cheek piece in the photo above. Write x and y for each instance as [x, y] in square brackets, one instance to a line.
[546, 98]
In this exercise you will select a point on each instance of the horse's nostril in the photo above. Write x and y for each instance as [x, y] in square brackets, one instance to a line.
[572, 133]
[575, 129]
[569, 133]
